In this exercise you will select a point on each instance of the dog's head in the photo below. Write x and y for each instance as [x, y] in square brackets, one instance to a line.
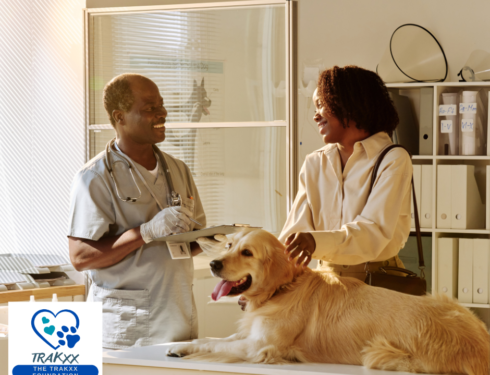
[253, 265]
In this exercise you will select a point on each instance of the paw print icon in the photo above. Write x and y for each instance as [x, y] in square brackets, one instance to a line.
[65, 338]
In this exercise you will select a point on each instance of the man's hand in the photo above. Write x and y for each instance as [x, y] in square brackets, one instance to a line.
[302, 246]
[167, 221]
[212, 247]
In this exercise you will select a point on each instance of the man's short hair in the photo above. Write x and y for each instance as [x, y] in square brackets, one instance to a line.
[118, 94]
[354, 93]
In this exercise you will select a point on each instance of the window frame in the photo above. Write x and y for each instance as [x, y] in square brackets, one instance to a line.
[291, 82]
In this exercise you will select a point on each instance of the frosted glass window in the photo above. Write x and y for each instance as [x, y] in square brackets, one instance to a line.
[211, 65]
[240, 172]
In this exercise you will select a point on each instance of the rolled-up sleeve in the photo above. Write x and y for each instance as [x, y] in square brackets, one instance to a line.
[368, 235]
[91, 209]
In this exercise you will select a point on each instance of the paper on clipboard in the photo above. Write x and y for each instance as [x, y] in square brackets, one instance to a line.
[206, 232]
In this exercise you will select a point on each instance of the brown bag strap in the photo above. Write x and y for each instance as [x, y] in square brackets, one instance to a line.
[415, 209]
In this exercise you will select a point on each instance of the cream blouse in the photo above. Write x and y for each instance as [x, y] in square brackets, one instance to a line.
[332, 204]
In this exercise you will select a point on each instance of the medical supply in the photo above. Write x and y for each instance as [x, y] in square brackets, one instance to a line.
[174, 199]
[169, 220]
[205, 232]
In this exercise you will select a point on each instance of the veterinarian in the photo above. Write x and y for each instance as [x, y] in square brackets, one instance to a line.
[146, 296]
[332, 218]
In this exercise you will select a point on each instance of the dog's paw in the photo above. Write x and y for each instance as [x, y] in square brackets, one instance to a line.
[179, 351]
[268, 354]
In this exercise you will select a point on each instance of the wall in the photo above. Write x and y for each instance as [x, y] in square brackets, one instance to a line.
[358, 32]
[41, 121]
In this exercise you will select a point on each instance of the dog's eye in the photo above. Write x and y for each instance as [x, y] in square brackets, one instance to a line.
[247, 253]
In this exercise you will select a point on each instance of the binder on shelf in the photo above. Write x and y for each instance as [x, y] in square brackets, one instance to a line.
[407, 131]
[426, 120]
[443, 201]
[467, 210]
[465, 270]
[447, 266]
[417, 178]
[426, 197]
[481, 260]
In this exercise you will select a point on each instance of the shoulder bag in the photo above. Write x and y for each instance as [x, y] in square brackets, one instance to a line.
[411, 283]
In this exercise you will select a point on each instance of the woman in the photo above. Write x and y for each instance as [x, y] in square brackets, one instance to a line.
[332, 218]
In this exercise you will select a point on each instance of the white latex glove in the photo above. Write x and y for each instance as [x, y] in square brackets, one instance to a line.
[169, 220]
[212, 247]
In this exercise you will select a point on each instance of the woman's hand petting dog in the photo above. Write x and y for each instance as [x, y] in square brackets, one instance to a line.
[301, 246]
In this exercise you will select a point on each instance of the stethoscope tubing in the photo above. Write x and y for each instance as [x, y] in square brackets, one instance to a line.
[174, 199]
[109, 165]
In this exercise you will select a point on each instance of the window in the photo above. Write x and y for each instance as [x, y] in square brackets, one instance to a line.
[222, 74]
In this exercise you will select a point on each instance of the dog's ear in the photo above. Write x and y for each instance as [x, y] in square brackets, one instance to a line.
[195, 83]
[278, 269]
[202, 82]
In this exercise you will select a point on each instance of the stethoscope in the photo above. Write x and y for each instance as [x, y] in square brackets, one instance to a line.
[174, 198]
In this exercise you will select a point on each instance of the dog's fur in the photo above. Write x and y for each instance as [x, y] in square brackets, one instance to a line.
[297, 315]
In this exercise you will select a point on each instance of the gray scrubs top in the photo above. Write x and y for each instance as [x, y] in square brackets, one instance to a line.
[147, 297]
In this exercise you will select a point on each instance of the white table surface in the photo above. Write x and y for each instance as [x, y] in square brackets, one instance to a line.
[154, 356]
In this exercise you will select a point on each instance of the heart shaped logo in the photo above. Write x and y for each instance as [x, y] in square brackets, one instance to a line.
[60, 322]
[49, 330]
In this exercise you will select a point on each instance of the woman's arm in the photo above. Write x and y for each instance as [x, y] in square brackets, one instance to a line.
[367, 236]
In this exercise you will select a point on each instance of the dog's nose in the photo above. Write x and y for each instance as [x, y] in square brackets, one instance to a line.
[216, 265]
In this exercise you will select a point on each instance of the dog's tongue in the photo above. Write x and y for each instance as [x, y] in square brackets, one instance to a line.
[222, 289]
[206, 111]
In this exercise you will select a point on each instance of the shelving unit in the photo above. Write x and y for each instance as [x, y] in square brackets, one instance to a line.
[480, 161]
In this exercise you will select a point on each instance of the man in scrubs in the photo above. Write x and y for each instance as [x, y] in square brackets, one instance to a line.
[146, 296]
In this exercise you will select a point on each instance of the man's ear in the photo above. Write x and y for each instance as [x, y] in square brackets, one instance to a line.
[118, 116]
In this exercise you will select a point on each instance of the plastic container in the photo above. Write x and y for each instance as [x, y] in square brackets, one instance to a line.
[449, 135]
[477, 67]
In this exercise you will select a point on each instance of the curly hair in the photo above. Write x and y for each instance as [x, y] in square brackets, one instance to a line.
[118, 94]
[354, 93]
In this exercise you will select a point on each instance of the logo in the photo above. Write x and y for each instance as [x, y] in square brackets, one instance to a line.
[57, 330]
[55, 338]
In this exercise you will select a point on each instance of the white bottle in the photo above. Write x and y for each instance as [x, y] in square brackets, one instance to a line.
[33, 299]
[55, 297]
[468, 137]
[450, 140]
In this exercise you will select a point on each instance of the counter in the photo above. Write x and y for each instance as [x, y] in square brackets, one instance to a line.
[152, 360]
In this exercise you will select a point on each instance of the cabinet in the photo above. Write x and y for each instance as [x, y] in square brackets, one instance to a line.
[432, 227]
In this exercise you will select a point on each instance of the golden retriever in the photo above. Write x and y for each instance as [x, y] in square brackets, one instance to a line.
[304, 315]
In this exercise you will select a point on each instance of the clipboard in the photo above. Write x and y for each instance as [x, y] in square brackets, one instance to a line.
[205, 232]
